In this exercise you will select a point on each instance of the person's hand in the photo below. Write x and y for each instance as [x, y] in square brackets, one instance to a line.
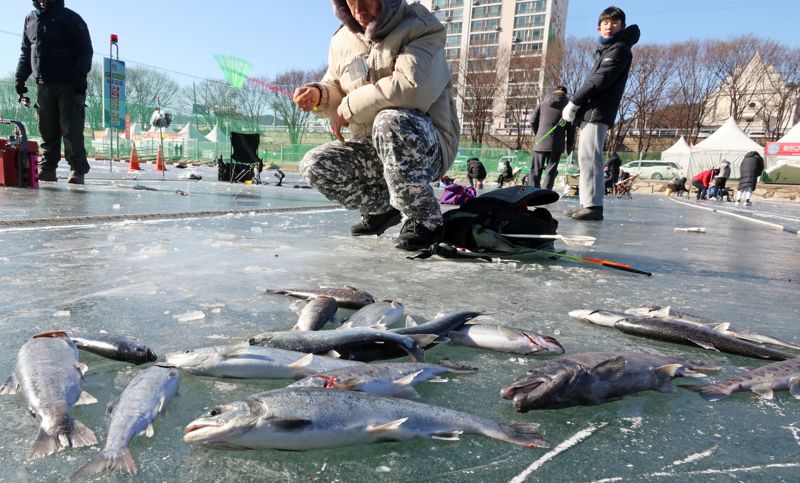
[568, 114]
[337, 123]
[307, 97]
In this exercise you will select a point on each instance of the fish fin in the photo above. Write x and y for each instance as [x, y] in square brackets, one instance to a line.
[442, 339]
[103, 331]
[668, 370]
[660, 312]
[75, 435]
[82, 368]
[85, 398]
[290, 424]
[234, 350]
[162, 405]
[448, 436]
[334, 354]
[522, 434]
[381, 325]
[297, 306]
[438, 379]
[149, 431]
[610, 369]
[120, 463]
[764, 391]
[390, 426]
[794, 387]
[458, 338]
[423, 340]
[710, 392]
[704, 345]
[302, 362]
[346, 325]
[410, 322]
[722, 327]
[406, 380]
[686, 372]
[10, 386]
[457, 367]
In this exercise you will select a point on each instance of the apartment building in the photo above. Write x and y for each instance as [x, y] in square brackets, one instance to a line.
[511, 38]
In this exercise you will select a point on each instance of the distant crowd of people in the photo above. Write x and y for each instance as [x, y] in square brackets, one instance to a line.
[749, 172]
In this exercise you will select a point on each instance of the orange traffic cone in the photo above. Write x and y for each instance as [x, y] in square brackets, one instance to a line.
[160, 161]
[134, 164]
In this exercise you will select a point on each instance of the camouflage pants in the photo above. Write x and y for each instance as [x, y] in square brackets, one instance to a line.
[393, 168]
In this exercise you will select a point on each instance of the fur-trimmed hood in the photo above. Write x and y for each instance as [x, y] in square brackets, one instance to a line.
[374, 30]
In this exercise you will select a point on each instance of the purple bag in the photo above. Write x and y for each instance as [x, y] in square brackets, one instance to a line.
[455, 194]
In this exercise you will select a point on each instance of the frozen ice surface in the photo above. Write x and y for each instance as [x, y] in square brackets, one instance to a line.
[140, 278]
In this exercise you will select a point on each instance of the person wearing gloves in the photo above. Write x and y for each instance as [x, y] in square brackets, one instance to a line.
[57, 50]
[593, 107]
[388, 81]
[547, 152]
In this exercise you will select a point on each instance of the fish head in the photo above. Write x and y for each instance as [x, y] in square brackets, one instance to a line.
[224, 425]
[192, 359]
[605, 318]
[542, 344]
[535, 389]
[651, 311]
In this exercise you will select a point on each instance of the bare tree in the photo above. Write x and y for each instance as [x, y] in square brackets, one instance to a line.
[781, 93]
[283, 105]
[522, 96]
[481, 82]
[94, 98]
[571, 67]
[143, 86]
[694, 83]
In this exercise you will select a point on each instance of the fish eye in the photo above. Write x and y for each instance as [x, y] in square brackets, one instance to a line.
[215, 412]
[188, 352]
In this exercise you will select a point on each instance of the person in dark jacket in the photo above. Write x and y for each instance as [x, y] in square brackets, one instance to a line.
[476, 171]
[547, 152]
[57, 50]
[593, 107]
[749, 171]
[506, 174]
[613, 166]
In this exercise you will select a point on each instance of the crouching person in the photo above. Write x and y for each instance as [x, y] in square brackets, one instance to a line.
[388, 81]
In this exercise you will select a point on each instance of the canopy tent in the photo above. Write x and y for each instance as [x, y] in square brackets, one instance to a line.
[680, 153]
[135, 130]
[728, 142]
[189, 132]
[215, 135]
[783, 166]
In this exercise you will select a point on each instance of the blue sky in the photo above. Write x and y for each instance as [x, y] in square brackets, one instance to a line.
[278, 35]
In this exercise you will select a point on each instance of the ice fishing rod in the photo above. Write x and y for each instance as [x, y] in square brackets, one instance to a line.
[561, 123]
[605, 263]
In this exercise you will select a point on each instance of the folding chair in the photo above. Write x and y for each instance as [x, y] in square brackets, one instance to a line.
[623, 188]
[245, 165]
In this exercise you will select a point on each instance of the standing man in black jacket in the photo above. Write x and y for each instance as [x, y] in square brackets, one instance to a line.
[547, 152]
[594, 107]
[57, 50]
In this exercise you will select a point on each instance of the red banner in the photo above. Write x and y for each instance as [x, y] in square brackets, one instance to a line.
[782, 149]
[128, 127]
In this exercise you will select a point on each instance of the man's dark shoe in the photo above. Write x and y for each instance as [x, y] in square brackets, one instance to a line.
[48, 175]
[75, 178]
[376, 224]
[592, 213]
[415, 236]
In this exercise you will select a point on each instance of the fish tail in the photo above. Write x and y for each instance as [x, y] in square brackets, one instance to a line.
[457, 367]
[118, 463]
[521, 434]
[72, 434]
[709, 392]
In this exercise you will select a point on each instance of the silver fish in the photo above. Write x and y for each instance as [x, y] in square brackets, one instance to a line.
[676, 331]
[347, 297]
[306, 418]
[343, 342]
[147, 396]
[392, 379]
[316, 313]
[245, 361]
[49, 375]
[505, 339]
[723, 327]
[596, 378]
[115, 347]
[377, 315]
[764, 381]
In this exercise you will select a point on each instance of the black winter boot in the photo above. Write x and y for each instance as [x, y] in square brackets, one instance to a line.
[48, 175]
[415, 236]
[376, 224]
[592, 213]
[75, 178]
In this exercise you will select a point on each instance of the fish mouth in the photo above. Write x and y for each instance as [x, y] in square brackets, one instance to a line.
[519, 389]
[551, 346]
[150, 356]
[200, 429]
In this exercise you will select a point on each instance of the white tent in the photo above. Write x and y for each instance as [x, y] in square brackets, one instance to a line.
[135, 130]
[215, 135]
[728, 142]
[189, 132]
[680, 153]
[784, 168]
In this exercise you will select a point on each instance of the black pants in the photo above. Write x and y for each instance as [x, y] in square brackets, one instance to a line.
[61, 116]
[544, 162]
[701, 190]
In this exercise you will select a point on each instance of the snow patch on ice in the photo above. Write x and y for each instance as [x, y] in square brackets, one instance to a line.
[192, 316]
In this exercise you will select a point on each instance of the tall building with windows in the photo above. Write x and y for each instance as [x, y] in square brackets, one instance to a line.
[510, 38]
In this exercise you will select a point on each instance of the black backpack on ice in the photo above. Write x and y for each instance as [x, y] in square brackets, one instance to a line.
[480, 227]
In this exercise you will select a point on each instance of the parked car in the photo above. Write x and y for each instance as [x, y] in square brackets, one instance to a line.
[653, 169]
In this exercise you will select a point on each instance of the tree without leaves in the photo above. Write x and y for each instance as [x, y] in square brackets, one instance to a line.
[143, 87]
[481, 81]
[284, 107]
[523, 94]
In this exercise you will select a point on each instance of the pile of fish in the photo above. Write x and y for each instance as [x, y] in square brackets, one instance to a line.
[337, 395]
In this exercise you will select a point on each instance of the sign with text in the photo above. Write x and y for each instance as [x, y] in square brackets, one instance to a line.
[114, 94]
[783, 149]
